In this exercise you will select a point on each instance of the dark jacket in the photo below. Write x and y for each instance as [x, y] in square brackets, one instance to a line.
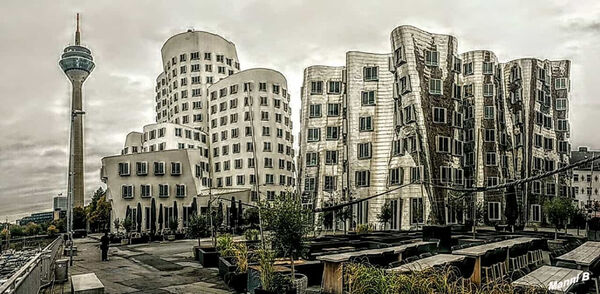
[104, 241]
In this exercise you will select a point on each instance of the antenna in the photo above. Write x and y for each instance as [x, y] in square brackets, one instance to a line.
[77, 33]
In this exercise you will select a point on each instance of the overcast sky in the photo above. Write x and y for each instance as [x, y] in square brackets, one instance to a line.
[126, 36]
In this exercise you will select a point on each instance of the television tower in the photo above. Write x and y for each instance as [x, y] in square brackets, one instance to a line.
[77, 63]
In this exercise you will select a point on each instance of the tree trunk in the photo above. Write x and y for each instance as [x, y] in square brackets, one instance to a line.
[555, 233]
[293, 268]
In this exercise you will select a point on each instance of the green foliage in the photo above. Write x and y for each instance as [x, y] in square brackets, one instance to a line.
[32, 229]
[198, 227]
[98, 212]
[385, 216]
[251, 234]
[173, 224]
[578, 218]
[240, 254]
[594, 224]
[127, 224]
[117, 223]
[17, 231]
[52, 230]
[364, 228]
[4, 234]
[366, 279]
[225, 245]
[266, 259]
[250, 216]
[79, 218]
[289, 223]
[558, 210]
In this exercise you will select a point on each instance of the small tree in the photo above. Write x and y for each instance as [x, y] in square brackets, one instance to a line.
[385, 216]
[32, 229]
[117, 223]
[343, 215]
[250, 217]
[173, 224]
[289, 224]
[52, 230]
[558, 210]
[578, 219]
[127, 225]
[198, 228]
[17, 231]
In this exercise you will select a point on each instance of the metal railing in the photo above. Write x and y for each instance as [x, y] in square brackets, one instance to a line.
[40, 269]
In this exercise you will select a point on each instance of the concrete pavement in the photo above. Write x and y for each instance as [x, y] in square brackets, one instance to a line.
[157, 267]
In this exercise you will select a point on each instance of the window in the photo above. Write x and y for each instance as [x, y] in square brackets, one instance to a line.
[124, 168]
[563, 125]
[439, 115]
[314, 135]
[536, 213]
[163, 190]
[435, 86]
[331, 157]
[399, 56]
[179, 190]
[456, 91]
[457, 64]
[488, 68]
[488, 112]
[560, 83]
[370, 73]
[333, 109]
[490, 159]
[194, 55]
[364, 150]
[443, 144]
[127, 191]
[490, 135]
[334, 87]
[268, 162]
[141, 168]
[329, 184]
[494, 210]
[314, 110]
[431, 58]
[368, 98]
[409, 114]
[445, 174]
[366, 124]
[403, 85]
[362, 178]
[312, 159]
[207, 56]
[396, 176]
[416, 210]
[488, 90]
[468, 68]
[310, 184]
[333, 133]
[159, 168]
[561, 104]
[492, 181]
[316, 87]
[175, 168]
[146, 191]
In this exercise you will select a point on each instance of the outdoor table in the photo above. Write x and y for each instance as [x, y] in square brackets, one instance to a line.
[427, 262]
[583, 256]
[550, 277]
[333, 263]
[480, 250]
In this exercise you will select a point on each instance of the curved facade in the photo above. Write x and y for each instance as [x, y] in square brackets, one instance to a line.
[250, 132]
[192, 61]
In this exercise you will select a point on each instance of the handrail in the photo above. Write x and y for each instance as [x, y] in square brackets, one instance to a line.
[21, 276]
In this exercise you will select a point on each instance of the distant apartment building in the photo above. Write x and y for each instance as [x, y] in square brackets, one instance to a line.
[59, 203]
[586, 178]
[220, 133]
[424, 118]
[37, 218]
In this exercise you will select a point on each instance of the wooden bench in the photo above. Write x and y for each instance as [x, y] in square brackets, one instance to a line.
[86, 284]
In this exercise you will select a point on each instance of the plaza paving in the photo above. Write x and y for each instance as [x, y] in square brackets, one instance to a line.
[157, 267]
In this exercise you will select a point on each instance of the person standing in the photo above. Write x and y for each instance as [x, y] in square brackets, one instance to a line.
[104, 243]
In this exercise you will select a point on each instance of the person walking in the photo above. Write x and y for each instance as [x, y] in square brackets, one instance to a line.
[104, 242]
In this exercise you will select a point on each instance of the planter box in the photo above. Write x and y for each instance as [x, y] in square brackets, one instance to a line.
[208, 256]
[226, 265]
[236, 281]
[124, 241]
[171, 237]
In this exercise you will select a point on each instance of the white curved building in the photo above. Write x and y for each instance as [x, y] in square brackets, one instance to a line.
[218, 131]
[192, 61]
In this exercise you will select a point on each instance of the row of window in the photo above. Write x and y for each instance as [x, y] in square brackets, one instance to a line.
[267, 163]
[588, 178]
[128, 191]
[208, 56]
[248, 87]
[267, 147]
[179, 132]
[235, 133]
[249, 117]
[240, 180]
[142, 168]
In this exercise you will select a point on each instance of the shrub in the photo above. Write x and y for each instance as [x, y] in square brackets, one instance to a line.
[52, 230]
[594, 224]
[251, 234]
[225, 245]
[364, 228]
[198, 227]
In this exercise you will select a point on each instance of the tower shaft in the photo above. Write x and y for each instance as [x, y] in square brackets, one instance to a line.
[76, 168]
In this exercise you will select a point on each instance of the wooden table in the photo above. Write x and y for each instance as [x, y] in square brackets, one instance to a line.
[583, 255]
[428, 262]
[333, 263]
[479, 250]
[556, 279]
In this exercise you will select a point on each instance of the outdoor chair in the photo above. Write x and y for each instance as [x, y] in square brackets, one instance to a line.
[487, 262]
[466, 268]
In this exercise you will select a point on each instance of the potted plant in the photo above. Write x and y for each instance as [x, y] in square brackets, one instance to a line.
[289, 224]
[173, 224]
[225, 247]
[127, 225]
[270, 281]
[198, 228]
[237, 279]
